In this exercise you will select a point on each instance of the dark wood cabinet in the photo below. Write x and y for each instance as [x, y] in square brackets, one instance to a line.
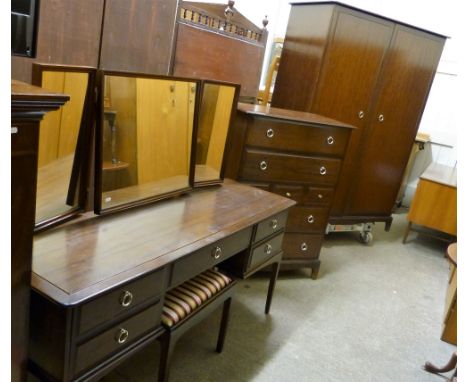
[372, 72]
[28, 106]
[292, 154]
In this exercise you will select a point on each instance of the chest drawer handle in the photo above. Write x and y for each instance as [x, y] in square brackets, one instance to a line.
[126, 298]
[330, 140]
[310, 219]
[268, 249]
[122, 336]
[381, 118]
[320, 196]
[274, 223]
[303, 247]
[270, 133]
[216, 253]
[323, 170]
[263, 165]
[288, 194]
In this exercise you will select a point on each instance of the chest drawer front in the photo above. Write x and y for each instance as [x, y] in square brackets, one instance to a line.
[266, 250]
[209, 256]
[305, 195]
[307, 219]
[117, 338]
[122, 299]
[271, 134]
[271, 225]
[275, 167]
[301, 246]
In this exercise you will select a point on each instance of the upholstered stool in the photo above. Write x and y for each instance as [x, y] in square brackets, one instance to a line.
[188, 304]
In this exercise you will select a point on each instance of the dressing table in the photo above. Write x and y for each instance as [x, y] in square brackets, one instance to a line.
[99, 282]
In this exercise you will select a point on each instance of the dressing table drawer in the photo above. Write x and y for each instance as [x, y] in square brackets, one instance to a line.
[265, 166]
[271, 134]
[307, 219]
[121, 300]
[271, 225]
[117, 338]
[209, 256]
[266, 250]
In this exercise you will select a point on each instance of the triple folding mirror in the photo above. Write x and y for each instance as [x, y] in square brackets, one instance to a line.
[156, 137]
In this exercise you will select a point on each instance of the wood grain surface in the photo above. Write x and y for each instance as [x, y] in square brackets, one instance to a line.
[77, 261]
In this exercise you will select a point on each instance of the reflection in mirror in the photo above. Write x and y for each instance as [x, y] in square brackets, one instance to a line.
[146, 131]
[56, 192]
[218, 102]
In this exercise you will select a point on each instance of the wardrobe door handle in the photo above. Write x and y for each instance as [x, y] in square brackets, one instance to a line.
[361, 114]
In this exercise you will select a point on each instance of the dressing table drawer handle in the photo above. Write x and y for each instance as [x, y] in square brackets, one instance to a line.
[274, 223]
[323, 170]
[330, 140]
[304, 247]
[268, 249]
[122, 336]
[263, 165]
[270, 133]
[216, 253]
[126, 298]
[310, 219]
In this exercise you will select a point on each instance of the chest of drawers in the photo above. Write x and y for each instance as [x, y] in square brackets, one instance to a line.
[297, 155]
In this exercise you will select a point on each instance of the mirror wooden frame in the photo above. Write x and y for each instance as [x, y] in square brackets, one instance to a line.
[229, 135]
[98, 170]
[81, 168]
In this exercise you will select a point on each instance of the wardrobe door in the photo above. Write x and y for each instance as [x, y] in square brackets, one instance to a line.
[403, 87]
[347, 81]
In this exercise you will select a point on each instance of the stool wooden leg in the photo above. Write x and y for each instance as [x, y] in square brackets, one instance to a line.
[223, 326]
[451, 364]
[167, 348]
[271, 286]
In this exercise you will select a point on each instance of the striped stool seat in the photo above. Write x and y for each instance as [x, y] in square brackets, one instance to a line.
[183, 300]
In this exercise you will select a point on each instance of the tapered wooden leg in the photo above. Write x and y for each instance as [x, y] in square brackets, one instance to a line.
[408, 229]
[167, 348]
[223, 326]
[271, 286]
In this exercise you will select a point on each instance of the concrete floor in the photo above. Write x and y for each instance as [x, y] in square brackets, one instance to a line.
[374, 314]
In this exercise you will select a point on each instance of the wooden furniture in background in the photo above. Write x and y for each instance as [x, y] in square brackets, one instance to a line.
[29, 104]
[367, 70]
[264, 96]
[216, 42]
[293, 154]
[449, 331]
[434, 204]
[99, 284]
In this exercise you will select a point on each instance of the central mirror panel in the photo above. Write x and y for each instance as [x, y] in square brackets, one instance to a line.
[146, 129]
[218, 104]
[58, 165]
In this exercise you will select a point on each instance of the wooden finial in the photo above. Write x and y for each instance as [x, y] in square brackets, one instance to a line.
[229, 11]
[265, 21]
[231, 4]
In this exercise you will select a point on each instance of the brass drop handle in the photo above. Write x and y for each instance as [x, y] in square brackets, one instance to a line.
[310, 219]
[216, 253]
[304, 247]
[122, 336]
[263, 165]
[323, 170]
[126, 298]
[270, 133]
[268, 249]
[361, 114]
[330, 140]
[274, 223]
[381, 118]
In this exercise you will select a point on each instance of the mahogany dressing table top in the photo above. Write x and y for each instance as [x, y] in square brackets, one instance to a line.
[81, 260]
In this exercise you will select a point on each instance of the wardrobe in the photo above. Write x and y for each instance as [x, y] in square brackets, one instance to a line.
[371, 72]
